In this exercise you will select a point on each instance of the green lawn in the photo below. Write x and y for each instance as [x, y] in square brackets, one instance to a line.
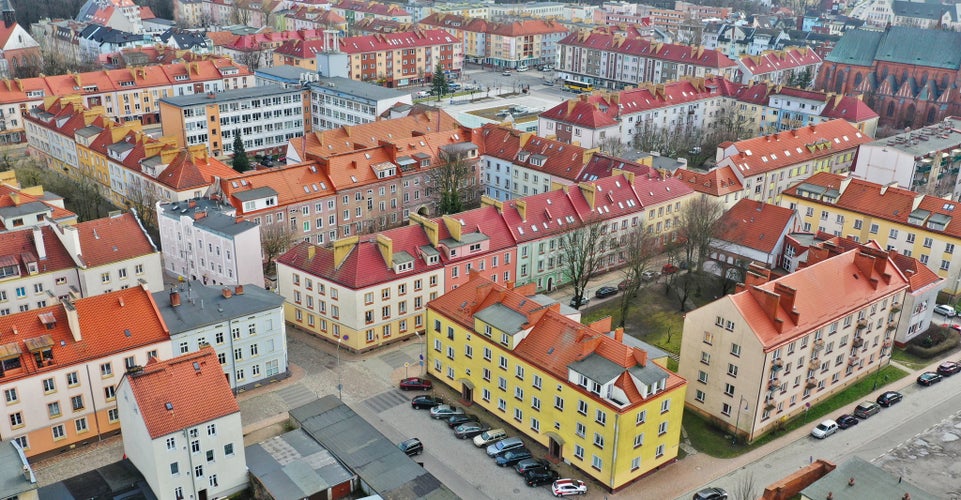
[652, 317]
[910, 360]
[716, 443]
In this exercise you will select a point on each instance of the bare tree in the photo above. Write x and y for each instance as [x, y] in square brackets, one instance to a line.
[275, 239]
[612, 146]
[638, 249]
[745, 488]
[454, 184]
[240, 12]
[698, 225]
[251, 59]
[143, 198]
[582, 256]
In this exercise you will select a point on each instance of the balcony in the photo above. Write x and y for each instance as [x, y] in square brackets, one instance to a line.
[891, 325]
[777, 364]
[774, 384]
[862, 323]
[896, 307]
[814, 364]
[858, 342]
[853, 360]
[818, 345]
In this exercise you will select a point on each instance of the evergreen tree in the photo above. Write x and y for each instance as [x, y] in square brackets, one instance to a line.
[240, 163]
[439, 82]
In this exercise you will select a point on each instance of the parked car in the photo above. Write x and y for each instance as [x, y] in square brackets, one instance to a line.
[506, 73]
[416, 384]
[488, 438]
[669, 269]
[411, 447]
[624, 285]
[605, 291]
[469, 429]
[504, 445]
[549, 83]
[825, 429]
[580, 302]
[889, 398]
[929, 378]
[530, 464]
[522, 69]
[566, 487]
[422, 402]
[949, 368]
[423, 93]
[538, 477]
[648, 275]
[511, 457]
[866, 409]
[847, 420]
[945, 310]
[455, 420]
[711, 493]
[954, 326]
[445, 412]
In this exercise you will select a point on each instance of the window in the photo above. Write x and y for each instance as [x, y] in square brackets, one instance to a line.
[558, 402]
[198, 470]
[58, 432]
[726, 409]
[81, 425]
[210, 455]
[662, 429]
[72, 379]
[582, 407]
[536, 403]
[601, 417]
[229, 449]
[732, 369]
[665, 406]
[641, 417]
[537, 381]
[49, 385]
[212, 429]
[736, 350]
[597, 463]
[16, 419]
[76, 402]
[729, 389]
[598, 440]
[10, 395]
[175, 469]
[639, 440]
[171, 443]
[699, 396]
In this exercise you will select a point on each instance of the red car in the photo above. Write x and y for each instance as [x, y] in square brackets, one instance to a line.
[949, 368]
[416, 384]
[669, 269]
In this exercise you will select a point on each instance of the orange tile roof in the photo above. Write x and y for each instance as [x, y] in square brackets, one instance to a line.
[182, 392]
[780, 60]
[109, 324]
[825, 292]
[605, 39]
[292, 183]
[718, 182]
[791, 147]
[886, 202]
[113, 239]
[20, 245]
[554, 341]
[353, 137]
[755, 225]
[191, 170]
[521, 27]
[919, 275]
[654, 188]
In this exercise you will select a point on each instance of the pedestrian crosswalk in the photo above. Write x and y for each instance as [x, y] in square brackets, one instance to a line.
[386, 400]
[296, 395]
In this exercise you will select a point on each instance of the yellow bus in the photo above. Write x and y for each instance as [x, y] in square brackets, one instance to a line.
[578, 86]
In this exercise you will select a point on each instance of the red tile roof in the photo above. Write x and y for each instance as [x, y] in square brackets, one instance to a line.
[850, 108]
[383, 9]
[603, 165]
[554, 342]
[919, 275]
[485, 220]
[113, 239]
[655, 188]
[605, 39]
[824, 292]
[755, 225]
[717, 182]
[523, 27]
[109, 324]
[780, 60]
[396, 41]
[791, 147]
[20, 245]
[292, 183]
[11, 196]
[544, 215]
[182, 392]
[193, 169]
[355, 137]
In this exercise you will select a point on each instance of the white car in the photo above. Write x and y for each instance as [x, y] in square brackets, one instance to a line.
[567, 487]
[945, 310]
[825, 429]
[488, 438]
[423, 93]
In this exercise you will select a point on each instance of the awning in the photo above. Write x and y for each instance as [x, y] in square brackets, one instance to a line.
[466, 383]
[11, 350]
[40, 343]
[555, 437]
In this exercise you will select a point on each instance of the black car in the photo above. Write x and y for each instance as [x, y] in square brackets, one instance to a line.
[605, 291]
[846, 420]
[425, 402]
[711, 493]
[411, 447]
[456, 420]
[509, 458]
[949, 368]
[538, 477]
[929, 378]
[524, 466]
[889, 398]
[470, 429]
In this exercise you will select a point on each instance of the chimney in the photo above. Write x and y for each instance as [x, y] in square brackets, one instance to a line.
[226, 293]
[174, 298]
[38, 242]
[239, 290]
[509, 284]
[73, 320]
[619, 334]
[200, 214]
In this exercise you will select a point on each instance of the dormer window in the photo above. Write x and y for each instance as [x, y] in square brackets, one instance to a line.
[474, 247]
[402, 267]
[432, 259]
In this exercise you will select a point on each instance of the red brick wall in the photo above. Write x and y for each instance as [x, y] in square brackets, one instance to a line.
[793, 484]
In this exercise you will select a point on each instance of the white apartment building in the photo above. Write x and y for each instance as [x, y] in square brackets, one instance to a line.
[266, 118]
[181, 427]
[244, 324]
[203, 240]
[337, 101]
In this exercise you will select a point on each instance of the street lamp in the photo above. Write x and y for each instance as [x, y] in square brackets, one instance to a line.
[737, 421]
[340, 375]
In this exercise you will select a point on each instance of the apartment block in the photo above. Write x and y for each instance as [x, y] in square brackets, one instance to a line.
[243, 323]
[509, 44]
[598, 400]
[265, 117]
[202, 239]
[750, 232]
[609, 59]
[779, 108]
[911, 223]
[182, 428]
[61, 366]
[779, 66]
[776, 346]
[355, 10]
[926, 160]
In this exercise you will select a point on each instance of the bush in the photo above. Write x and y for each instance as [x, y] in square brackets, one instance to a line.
[933, 342]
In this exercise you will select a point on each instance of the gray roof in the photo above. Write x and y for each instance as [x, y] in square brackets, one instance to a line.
[293, 465]
[912, 143]
[502, 318]
[648, 374]
[255, 194]
[465, 239]
[284, 72]
[597, 368]
[930, 11]
[184, 101]
[870, 481]
[202, 305]
[24, 209]
[362, 448]
[364, 90]
[89, 131]
[12, 480]
[899, 44]
[224, 225]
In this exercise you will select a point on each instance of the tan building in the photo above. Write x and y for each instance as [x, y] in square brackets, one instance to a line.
[766, 352]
